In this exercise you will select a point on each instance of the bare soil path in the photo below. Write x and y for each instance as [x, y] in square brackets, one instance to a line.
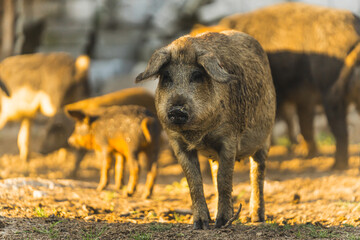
[304, 200]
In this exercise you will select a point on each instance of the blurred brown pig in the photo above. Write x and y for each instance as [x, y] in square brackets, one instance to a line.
[62, 127]
[127, 132]
[129, 96]
[39, 83]
[314, 52]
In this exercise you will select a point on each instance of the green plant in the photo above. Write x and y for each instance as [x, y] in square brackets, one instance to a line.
[348, 225]
[344, 204]
[93, 234]
[40, 212]
[178, 217]
[325, 138]
[317, 232]
[271, 225]
[51, 231]
[142, 236]
[283, 141]
[180, 235]
[240, 195]
[352, 237]
[109, 195]
[287, 227]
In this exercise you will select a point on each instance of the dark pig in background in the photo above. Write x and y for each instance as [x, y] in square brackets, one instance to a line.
[313, 52]
[216, 96]
[129, 133]
[39, 83]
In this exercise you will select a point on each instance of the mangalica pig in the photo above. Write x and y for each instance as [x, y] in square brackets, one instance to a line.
[39, 83]
[313, 52]
[216, 96]
[127, 132]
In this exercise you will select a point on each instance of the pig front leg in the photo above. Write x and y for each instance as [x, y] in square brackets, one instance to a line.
[336, 116]
[105, 167]
[79, 156]
[224, 186]
[23, 139]
[133, 160]
[191, 167]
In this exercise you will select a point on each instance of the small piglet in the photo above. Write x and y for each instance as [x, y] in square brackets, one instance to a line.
[128, 132]
[216, 96]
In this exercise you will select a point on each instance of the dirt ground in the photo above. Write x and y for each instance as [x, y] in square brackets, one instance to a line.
[304, 199]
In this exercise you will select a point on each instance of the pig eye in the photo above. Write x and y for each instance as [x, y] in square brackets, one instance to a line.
[197, 77]
[165, 79]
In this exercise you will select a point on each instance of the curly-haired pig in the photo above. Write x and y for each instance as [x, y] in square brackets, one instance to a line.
[127, 132]
[313, 52]
[39, 83]
[216, 96]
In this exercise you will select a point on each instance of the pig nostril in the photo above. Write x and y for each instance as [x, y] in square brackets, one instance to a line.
[178, 115]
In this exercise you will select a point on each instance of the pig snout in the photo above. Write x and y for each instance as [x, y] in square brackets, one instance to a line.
[178, 115]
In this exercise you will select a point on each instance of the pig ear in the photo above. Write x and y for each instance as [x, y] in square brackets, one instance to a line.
[214, 68]
[157, 60]
[77, 114]
[92, 119]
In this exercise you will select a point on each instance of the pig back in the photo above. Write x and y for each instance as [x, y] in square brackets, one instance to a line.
[131, 96]
[251, 96]
[124, 122]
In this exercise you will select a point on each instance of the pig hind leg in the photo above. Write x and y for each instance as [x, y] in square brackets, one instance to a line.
[257, 177]
[134, 166]
[336, 115]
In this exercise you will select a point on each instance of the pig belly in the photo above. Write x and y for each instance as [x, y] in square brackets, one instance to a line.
[26, 103]
[209, 153]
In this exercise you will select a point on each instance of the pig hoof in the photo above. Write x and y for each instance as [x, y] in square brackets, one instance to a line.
[312, 154]
[100, 188]
[200, 224]
[129, 194]
[146, 196]
[221, 221]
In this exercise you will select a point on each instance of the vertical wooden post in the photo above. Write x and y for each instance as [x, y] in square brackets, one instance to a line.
[8, 29]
